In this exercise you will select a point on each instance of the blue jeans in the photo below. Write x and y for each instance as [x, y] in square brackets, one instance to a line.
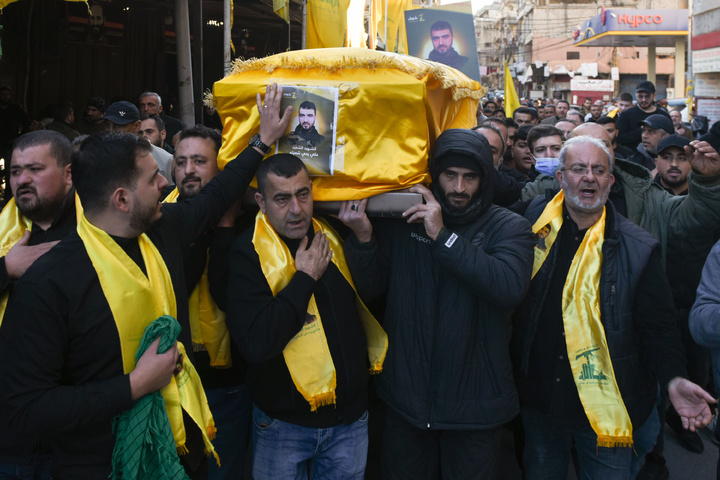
[548, 447]
[232, 409]
[283, 450]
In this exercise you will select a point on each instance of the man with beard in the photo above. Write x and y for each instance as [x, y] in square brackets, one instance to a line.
[305, 134]
[220, 366]
[67, 373]
[41, 212]
[441, 34]
[92, 122]
[596, 332]
[628, 123]
[672, 165]
[454, 273]
[153, 128]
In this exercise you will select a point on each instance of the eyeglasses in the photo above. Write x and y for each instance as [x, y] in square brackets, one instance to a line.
[582, 170]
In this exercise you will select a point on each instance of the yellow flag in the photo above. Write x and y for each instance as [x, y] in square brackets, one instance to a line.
[396, 40]
[511, 97]
[376, 14]
[282, 9]
[326, 23]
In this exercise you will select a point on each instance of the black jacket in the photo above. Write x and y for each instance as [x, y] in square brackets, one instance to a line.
[643, 340]
[448, 309]
[61, 376]
[261, 324]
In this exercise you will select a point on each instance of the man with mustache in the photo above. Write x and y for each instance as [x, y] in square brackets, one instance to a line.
[41, 212]
[454, 272]
[596, 332]
[629, 120]
[220, 366]
[67, 374]
[305, 134]
[672, 164]
[441, 34]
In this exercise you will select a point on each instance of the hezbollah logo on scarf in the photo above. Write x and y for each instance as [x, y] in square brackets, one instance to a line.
[307, 354]
[584, 333]
[207, 321]
[136, 300]
[13, 225]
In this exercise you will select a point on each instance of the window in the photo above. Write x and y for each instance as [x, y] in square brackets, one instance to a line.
[573, 55]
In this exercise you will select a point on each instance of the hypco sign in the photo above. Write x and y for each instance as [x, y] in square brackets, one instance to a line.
[635, 20]
[591, 85]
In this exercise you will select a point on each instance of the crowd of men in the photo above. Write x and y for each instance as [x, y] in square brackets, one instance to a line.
[546, 284]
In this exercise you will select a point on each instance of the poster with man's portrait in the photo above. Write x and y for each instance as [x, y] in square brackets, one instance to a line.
[445, 36]
[311, 133]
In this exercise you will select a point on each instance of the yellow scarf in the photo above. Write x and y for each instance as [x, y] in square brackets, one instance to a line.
[13, 225]
[135, 301]
[207, 321]
[587, 348]
[307, 354]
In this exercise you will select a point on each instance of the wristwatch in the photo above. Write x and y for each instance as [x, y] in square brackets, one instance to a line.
[255, 142]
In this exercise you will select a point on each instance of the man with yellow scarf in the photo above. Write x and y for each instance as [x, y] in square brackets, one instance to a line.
[40, 213]
[219, 364]
[75, 321]
[596, 332]
[293, 311]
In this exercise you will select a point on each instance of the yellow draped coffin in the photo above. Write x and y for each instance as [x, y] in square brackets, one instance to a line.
[391, 109]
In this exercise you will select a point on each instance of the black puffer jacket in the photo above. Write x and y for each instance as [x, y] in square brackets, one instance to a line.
[449, 303]
[644, 351]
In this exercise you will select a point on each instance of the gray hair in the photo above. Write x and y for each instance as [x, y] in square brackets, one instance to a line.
[152, 94]
[586, 140]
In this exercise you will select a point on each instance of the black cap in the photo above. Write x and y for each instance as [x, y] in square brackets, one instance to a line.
[122, 113]
[673, 140]
[658, 122]
[645, 86]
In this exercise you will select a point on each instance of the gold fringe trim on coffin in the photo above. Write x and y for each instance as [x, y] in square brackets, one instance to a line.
[330, 63]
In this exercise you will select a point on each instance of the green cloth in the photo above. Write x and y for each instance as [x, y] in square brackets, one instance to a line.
[144, 444]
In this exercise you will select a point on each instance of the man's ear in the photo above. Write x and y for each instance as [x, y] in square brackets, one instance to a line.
[67, 174]
[137, 126]
[260, 201]
[163, 134]
[121, 199]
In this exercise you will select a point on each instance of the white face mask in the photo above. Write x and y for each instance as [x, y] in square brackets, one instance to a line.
[546, 165]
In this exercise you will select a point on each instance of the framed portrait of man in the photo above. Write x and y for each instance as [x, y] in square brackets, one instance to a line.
[444, 35]
[311, 132]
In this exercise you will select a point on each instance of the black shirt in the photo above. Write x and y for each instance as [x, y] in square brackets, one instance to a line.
[262, 324]
[550, 383]
[627, 125]
[15, 448]
[61, 375]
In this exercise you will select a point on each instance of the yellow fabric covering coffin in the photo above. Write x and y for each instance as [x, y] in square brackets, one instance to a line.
[391, 108]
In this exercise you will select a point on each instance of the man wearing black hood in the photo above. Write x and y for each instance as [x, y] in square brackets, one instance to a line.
[454, 273]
